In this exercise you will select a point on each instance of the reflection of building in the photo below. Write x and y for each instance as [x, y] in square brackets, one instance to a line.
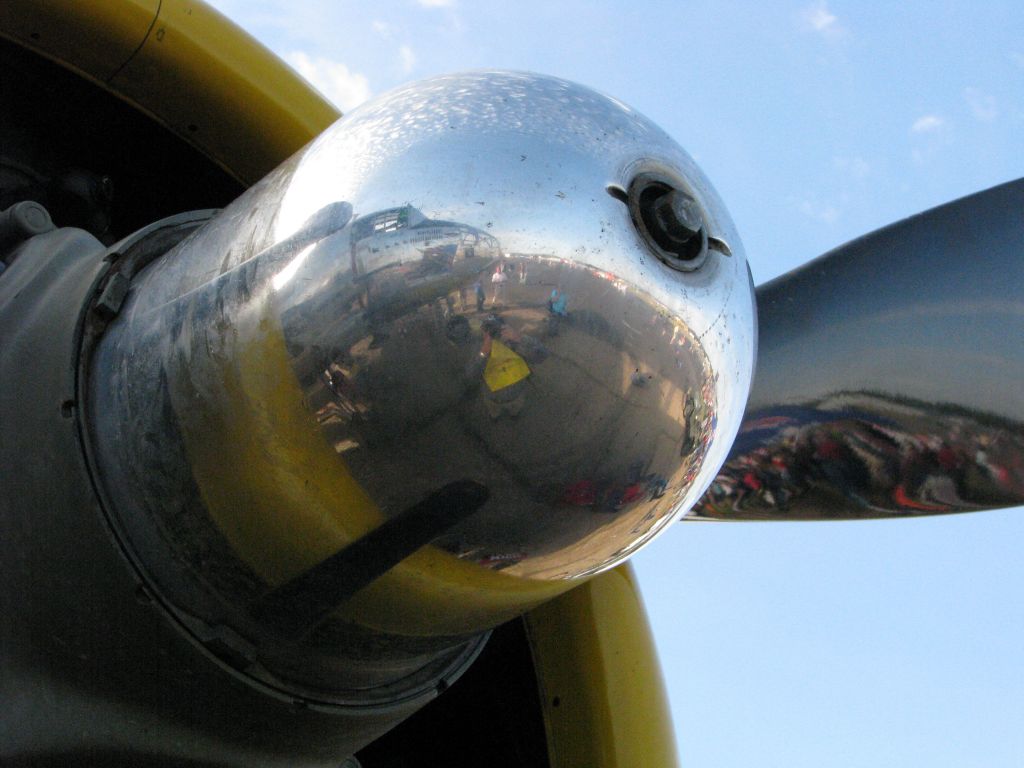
[397, 236]
[402, 260]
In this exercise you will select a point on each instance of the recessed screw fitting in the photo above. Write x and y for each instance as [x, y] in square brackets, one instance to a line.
[669, 220]
[677, 218]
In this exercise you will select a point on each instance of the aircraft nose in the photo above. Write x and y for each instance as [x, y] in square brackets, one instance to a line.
[485, 337]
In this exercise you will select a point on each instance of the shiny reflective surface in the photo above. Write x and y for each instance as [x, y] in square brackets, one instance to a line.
[445, 288]
[890, 378]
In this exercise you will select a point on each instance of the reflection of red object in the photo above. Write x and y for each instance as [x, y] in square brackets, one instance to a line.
[899, 495]
[581, 494]
[633, 492]
[767, 422]
[947, 458]
[750, 480]
[1002, 476]
[829, 449]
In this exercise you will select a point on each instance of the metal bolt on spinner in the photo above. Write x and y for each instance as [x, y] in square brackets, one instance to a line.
[669, 220]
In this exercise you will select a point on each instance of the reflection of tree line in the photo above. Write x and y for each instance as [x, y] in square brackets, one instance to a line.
[927, 410]
[956, 463]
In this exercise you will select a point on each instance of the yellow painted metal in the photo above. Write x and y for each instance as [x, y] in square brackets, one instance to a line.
[188, 67]
[602, 693]
[222, 90]
[285, 500]
[96, 39]
[604, 703]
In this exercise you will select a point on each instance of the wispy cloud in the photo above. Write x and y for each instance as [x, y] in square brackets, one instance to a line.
[436, 3]
[927, 124]
[333, 79]
[820, 19]
[823, 212]
[854, 167]
[408, 59]
[932, 134]
[982, 105]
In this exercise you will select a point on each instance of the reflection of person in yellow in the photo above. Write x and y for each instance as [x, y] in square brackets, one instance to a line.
[505, 372]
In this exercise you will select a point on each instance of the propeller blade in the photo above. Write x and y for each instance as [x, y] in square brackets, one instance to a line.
[890, 375]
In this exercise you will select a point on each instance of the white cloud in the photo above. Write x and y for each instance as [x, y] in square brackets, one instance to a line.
[436, 3]
[927, 124]
[983, 106]
[333, 79]
[855, 167]
[819, 18]
[382, 28]
[408, 57]
[827, 214]
[932, 136]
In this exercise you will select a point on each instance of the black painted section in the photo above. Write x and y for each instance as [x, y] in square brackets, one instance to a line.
[298, 606]
[491, 717]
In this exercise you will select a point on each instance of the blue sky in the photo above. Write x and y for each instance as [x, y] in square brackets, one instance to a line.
[834, 644]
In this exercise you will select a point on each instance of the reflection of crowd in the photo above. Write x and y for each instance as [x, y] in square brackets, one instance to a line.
[616, 495]
[455, 352]
[875, 468]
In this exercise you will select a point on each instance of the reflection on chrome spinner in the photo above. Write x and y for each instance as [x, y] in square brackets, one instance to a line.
[889, 375]
[440, 288]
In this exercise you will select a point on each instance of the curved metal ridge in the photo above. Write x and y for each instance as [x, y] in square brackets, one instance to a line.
[889, 376]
